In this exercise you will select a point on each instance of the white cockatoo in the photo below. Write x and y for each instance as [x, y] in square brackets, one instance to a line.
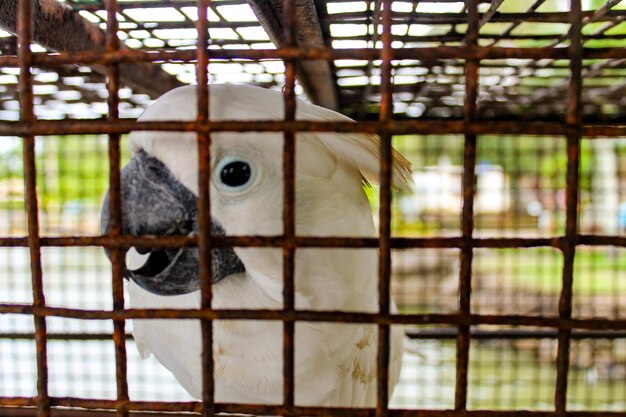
[335, 364]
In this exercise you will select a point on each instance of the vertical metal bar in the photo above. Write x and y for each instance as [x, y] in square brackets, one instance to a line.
[384, 232]
[27, 114]
[573, 119]
[289, 206]
[469, 185]
[115, 213]
[204, 208]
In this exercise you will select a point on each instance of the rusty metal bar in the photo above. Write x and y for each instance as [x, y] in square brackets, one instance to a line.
[205, 242]
[115, 213]
[573, 119]
[320, 316]
[150, 4]
[395, 127]
[459, 18]
[446, 333]
[457, 37]
[185, 3]
[384, 227]
[190, 3]
[430, 53]
[63, 336]
[158, 409]
[313, 242]
[437, 333]
[289, 22]
[467, 217]
[27, 115]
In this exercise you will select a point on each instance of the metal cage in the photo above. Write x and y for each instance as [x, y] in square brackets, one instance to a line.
[563, 109]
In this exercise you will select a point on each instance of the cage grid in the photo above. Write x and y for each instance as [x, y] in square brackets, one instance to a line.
[456, 56]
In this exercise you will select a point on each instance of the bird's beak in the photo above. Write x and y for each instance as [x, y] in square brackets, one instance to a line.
[155, 203]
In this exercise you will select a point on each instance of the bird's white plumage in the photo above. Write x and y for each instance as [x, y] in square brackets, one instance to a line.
[335, 364]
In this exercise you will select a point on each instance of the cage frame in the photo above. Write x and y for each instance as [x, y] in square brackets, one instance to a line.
[572, 131]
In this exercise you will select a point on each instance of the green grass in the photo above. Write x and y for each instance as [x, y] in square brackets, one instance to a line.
[511, 376]
[540, 270]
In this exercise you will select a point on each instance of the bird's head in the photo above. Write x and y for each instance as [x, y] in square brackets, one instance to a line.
[159, 184]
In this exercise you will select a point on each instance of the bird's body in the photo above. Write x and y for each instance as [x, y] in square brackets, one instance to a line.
[335, 364]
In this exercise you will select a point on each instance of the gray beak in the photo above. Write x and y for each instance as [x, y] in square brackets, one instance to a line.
[155, 203]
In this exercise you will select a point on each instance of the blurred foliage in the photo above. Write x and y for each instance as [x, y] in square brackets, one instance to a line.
[72, 171]
[541, 269]
[11, 174]
[541, 157]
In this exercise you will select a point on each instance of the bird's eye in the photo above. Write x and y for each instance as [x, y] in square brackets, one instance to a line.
[235, 173]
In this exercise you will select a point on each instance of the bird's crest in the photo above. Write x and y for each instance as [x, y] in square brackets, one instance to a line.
[360, 150]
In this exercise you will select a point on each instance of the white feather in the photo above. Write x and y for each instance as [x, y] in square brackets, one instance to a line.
[335, 364]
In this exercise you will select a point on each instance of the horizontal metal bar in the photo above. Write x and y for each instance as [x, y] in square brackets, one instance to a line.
[456, 37]
[103, 408]
[440, 333]
[313, 242]
[460, 18]
[62, 336]
[450, 333]
[319, 316]
[299, 53]
[256, 241]
[95, 6]
[396, 127]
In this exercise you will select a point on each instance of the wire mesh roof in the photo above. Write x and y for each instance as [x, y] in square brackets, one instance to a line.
[509, 88]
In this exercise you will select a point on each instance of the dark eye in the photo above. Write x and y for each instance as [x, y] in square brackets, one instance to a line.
[234, 173]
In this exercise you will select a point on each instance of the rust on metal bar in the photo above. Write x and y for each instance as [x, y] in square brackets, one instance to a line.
[470, 108]
[112, 72]
[384, 227]
[314, 242]
[573, 119]
[205, 242]
[319, 316]
[458, 37]
[24, 17]
[395, 127]
[449, 333]
[102, 408]
[429, 333]
[428, 53]
[63, 336]
[500, 17]
[290, 17]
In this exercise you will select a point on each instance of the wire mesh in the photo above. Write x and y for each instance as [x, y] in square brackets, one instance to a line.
[503, 229]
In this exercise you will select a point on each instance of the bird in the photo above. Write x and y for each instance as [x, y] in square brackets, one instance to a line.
[334, 363]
